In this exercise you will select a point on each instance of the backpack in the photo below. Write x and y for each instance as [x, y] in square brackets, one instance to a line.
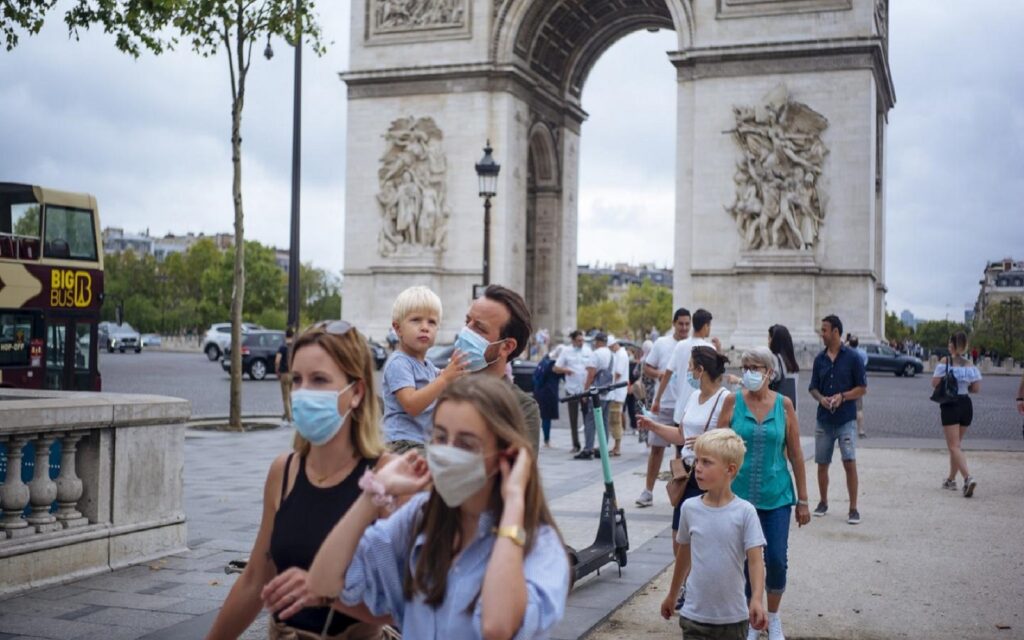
[604, 377]
[540, 372]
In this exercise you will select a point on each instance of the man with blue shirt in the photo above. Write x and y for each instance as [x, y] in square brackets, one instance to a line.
[837, 381]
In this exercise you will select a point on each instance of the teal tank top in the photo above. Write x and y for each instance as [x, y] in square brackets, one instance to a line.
[764, 479]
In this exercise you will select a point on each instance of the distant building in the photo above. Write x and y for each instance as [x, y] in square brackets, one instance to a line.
[1003, 280]
[621, 276]
[115, 240]
[908, 319]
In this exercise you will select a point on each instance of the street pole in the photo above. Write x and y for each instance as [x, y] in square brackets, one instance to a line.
[293, 247]
[487, 241]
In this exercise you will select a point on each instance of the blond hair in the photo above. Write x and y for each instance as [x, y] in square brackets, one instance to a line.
[413, 299]
[723, 444]
[352, 355]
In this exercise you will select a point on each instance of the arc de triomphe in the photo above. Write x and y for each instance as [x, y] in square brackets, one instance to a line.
[780, 190]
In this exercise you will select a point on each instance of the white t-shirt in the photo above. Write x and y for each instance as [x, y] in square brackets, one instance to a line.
[695, 417]
[659, 357]
[620, 369]
[719, 538]
[576, 361]
[679, 363]
[602, 358]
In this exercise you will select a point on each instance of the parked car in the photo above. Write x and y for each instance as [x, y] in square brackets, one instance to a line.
[440, 354]
[258, 350]
[151, 340]
[218, 338]
[885, 358]
[119, 338]
[380, 354]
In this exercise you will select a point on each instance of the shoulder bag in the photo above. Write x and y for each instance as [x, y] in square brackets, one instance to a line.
[948, 390]
[676, 485]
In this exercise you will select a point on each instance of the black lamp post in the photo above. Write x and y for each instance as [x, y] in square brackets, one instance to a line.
[487, 171]
[293, 246]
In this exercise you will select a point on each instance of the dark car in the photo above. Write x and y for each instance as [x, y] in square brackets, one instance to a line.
[258, 351]
[380, 354]
[440, 354]
[884, 358]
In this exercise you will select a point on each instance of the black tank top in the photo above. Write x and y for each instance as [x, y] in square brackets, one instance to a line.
[303, 520]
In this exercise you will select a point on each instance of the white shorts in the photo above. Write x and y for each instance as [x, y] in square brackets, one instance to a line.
[664, 417]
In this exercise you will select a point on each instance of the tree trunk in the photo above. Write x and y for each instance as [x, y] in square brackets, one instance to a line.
[238, 289]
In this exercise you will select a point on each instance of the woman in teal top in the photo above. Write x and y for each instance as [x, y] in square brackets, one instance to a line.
[768, 425]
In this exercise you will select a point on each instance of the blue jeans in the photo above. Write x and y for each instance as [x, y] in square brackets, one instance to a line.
[545, 426]
[775, 526]
[590, 426]
[825, 437]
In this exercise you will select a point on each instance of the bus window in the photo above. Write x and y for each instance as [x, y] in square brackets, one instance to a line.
[70, 233]
[19, 231]
[15, 332]
[55, 345]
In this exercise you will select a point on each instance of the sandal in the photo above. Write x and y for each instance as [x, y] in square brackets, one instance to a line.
[615, 454]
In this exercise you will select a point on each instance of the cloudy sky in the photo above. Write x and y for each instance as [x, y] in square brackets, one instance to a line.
[150, 138]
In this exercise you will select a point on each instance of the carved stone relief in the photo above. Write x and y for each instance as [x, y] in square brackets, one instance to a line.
[413, 189]
[402, 16]
[779, 201]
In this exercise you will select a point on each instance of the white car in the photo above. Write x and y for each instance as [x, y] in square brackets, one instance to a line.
[218, 338]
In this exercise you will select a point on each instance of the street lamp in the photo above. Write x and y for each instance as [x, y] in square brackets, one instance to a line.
[487, 171]
[293, 245]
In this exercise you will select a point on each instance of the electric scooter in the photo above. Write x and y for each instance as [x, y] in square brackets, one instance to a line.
[612, 539]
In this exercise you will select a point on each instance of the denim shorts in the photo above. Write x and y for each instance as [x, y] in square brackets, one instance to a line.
[825, 437]
[775, 527]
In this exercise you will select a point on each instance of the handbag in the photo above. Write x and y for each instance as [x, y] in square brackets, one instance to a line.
[676, 486]
[948, 390]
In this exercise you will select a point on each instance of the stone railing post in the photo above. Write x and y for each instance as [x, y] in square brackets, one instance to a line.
[14, 493]
[42, 489]
[69, 485]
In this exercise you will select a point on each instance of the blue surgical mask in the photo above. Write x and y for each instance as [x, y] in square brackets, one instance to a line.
[752, 380]
[693, 382]
[316, 416]
[474, 346]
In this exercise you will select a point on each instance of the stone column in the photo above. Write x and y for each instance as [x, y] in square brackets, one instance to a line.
[14, 493]
[42, 489]
[69, 485]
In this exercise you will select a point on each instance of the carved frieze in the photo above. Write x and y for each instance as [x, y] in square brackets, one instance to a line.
[779, 202]
[413, 196]
[409, 19]
[758, 8]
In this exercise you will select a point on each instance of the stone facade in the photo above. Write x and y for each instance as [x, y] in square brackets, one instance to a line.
[780, 193]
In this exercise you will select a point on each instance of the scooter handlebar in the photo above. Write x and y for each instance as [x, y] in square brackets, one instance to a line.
[595, 391]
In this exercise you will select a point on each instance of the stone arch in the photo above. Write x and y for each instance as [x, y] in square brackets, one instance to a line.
[543, 171]
[543, 229]
[559, 42]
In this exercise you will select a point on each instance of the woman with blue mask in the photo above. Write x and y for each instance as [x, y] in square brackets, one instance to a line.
[476, 555]
[309, 490]
[767, 422]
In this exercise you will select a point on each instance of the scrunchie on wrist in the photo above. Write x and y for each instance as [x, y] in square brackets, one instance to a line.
[375, 489]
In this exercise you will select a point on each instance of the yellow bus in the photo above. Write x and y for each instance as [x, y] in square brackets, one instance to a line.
[51, 288]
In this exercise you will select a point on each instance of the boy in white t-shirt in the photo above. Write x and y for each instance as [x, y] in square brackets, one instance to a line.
[717, 533]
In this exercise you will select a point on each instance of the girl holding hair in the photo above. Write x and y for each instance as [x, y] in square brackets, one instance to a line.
[701, 413]
[957, 416]
[767, 422]
[786, 374]
[476, 556]
[308, 491]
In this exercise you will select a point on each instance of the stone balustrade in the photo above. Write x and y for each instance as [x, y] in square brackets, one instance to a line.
[116, 497]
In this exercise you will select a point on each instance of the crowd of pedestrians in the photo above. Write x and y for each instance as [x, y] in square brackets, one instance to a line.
[421, 514]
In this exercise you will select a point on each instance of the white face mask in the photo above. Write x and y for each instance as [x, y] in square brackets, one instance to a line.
[457, 474]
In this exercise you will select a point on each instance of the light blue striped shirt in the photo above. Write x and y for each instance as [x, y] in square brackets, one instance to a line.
[385, 551]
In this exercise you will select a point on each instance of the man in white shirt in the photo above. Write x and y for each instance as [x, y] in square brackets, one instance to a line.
[600, 375]
[573, 362]
[680, 361]
[663, 408]
[617, 397]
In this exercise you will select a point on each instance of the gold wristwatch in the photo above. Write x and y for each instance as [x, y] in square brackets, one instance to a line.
[514, 533]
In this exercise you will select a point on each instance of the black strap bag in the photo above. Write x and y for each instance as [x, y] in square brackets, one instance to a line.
[948, 390]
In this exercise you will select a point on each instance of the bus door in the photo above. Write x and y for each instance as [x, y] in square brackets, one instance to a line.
[71, 355]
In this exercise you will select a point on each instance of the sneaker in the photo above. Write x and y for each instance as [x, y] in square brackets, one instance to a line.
[853, 517]
[820, 510]
[575, 448]
[753, 634]
[646, 499]
[584, 455]
[775, 627]
[969, 485]
[949, 484]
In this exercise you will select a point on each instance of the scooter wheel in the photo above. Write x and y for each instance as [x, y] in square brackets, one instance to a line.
[620, 556]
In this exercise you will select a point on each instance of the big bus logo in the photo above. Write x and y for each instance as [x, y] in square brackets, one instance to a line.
[69, 288]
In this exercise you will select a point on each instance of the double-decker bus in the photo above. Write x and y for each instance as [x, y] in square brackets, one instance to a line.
[51, 288]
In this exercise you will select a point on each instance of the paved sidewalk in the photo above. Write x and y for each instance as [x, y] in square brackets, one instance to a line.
[924, 563]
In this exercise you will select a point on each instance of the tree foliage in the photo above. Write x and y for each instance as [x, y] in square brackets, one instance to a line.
[27, 15]
[647, 305]
[934, 334]
[591, 289]
[895, 329]
[1002, 329]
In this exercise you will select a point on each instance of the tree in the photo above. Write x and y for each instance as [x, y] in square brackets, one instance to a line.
[647, 305]
[1002, 329]
[895, 329]
[22, 14]
[591, 289]
[604, 315]
[210, 27]
[934, 334]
